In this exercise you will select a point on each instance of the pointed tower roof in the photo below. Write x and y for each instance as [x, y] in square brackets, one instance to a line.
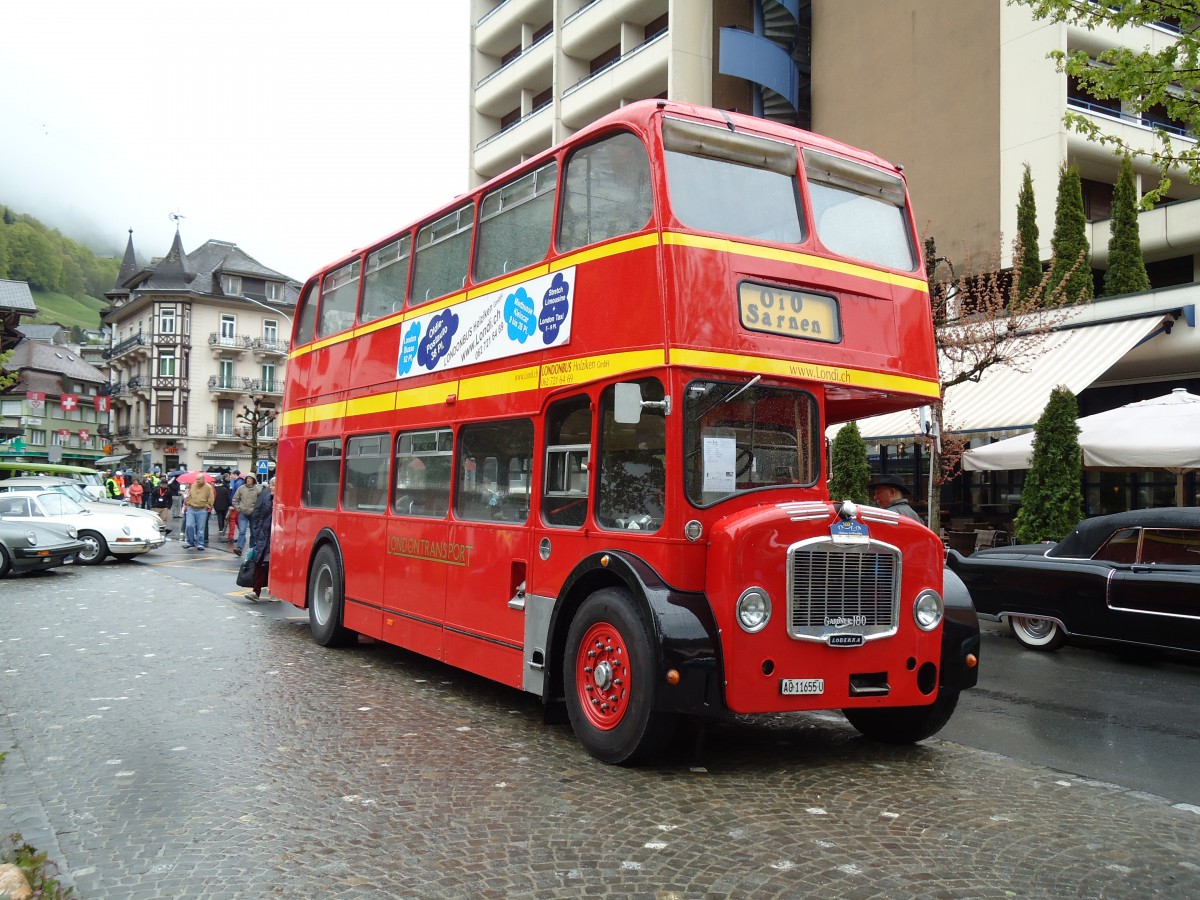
[173, 271]
[128, 264]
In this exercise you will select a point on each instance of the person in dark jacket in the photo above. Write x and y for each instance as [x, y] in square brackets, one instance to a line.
[260, 540]
[221, 504]
[890, 492]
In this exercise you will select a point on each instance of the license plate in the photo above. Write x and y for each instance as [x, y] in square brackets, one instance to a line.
[794, 686]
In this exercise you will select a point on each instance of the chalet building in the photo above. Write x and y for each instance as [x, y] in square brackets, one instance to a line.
[196, 339]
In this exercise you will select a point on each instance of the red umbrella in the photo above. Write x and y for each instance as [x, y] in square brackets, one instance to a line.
[186, 477]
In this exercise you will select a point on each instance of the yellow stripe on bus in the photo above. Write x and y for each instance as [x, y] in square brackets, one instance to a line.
[429, 395]
[733, 362]
[616, 248]
[589, 368]
[510, 382]
[723, 245]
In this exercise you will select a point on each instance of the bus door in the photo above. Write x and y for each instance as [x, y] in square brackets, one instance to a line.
[485, 618]
[362, 528]
[419, 550]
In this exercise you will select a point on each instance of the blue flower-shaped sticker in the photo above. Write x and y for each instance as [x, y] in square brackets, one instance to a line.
[438, 338]
[518, 315]
[408, 349]
[556, 304]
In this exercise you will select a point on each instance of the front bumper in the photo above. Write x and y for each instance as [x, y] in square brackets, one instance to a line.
[30, 559]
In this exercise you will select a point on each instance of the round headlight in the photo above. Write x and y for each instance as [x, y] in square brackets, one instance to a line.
[32, 538]
[928, 610]
[753, 609]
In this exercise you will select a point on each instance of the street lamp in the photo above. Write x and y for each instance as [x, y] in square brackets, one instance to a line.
[270, 308]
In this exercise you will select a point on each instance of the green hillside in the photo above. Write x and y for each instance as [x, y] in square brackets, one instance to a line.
[67, 311]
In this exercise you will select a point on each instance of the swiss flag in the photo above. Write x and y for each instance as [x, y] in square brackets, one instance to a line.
[69, 402]
[102, 402]
[64, 433]
[84, 434]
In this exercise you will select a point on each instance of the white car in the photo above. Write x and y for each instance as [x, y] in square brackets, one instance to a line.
[102, 533]
[77, 492]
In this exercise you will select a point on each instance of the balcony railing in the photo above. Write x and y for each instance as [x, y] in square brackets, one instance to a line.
[235, 384]
[259, 386]
[130, 343]
[220, 341]
[492, 74]
[1129, 118]
[224, 432]
[613, 62]
[513, 124]
[270, 345]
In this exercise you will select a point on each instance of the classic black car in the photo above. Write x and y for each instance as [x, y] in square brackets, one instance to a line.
[1130, 578]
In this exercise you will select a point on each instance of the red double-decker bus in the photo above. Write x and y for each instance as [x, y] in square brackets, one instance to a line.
[567, 433]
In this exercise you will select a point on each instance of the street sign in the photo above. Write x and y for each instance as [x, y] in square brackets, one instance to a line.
[262, 469]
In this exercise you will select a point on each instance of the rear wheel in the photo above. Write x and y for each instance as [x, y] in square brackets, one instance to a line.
[94, 548]
[5, 565]
[904, 724]
[1037, 633]
[326, 592]
[608, 676]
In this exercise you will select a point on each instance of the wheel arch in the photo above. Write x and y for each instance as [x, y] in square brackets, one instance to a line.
[683, 631]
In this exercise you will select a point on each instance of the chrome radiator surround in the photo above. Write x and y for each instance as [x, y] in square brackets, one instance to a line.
[836, 588]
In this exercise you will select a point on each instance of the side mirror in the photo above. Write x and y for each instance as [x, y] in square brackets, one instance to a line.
[627, 403]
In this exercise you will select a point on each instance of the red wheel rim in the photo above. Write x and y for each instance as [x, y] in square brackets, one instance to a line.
[602, 676]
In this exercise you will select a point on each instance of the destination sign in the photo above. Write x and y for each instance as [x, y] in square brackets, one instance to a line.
[776, 310]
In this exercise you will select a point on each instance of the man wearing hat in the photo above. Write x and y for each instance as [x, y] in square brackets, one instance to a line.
[889, 492]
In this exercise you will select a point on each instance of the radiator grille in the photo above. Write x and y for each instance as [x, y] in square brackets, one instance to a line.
[832, 588]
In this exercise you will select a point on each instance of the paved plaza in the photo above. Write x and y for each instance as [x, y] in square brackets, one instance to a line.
[164, 741]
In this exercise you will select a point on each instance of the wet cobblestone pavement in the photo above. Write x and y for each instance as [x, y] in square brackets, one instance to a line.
[166, 742]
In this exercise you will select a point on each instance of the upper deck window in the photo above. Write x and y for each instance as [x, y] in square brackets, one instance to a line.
[732, 183]
[339, 296]
[306, 318]
[443, 255]
[514, 224]
[606, 192]
[387, 277]
[859, 211]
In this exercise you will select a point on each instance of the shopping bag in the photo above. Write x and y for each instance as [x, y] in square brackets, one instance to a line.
[245, 574]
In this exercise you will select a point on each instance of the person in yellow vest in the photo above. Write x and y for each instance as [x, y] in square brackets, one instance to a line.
[197, 506]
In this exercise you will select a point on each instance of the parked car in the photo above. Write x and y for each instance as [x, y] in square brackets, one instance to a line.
[102, 533]
[29, 546]
[76, 491]
[1128, 578]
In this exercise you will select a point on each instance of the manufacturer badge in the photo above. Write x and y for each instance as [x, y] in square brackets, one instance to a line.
[845, 640]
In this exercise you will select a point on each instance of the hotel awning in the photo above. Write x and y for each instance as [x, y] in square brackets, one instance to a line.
[1006, 398]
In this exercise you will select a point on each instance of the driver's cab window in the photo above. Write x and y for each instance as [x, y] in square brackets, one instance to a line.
[633, 475]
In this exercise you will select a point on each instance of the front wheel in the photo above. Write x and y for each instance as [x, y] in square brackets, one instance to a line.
[94, 549]
[609, 678]
[326, 593]
[904, 724]
[1037, 633]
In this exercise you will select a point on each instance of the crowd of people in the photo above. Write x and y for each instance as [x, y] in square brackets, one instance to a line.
[241, 505]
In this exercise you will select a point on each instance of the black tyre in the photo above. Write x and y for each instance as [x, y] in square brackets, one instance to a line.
[904, 724]
[5, 565]
[609, 678]
[326, 595]
[1037, 633]
[94, 549]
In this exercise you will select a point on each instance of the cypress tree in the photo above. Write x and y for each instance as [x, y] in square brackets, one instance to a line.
[1029, 263]
[1126, 269]
[1052, 501]
[1070, 273]
[849, 470]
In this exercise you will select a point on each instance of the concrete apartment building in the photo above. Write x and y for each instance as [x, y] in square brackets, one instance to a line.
[959, 92]
[196, 338]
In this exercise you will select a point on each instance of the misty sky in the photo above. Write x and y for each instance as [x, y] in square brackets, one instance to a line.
[297, 129]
